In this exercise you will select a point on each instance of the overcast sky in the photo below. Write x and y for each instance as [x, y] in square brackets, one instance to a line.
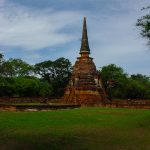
[38, 30]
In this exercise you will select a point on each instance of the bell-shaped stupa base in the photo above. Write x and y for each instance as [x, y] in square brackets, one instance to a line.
[84, 96]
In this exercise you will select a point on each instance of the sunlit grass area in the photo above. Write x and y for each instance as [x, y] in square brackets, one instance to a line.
[75, 129]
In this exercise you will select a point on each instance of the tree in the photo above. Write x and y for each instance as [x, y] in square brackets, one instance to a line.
[143, 79]
[112, 75]
[45, 89]
[44, 70]
[134, 89]
[1, 63]
[140, 85]
[56, 73]
[61, 72]
[114, 80]
[119, 85]
[6, 87]
[144, 24]
[16, 67]
[24, 87]
[1, 58]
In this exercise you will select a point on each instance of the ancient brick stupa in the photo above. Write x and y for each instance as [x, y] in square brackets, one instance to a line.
[85, 87]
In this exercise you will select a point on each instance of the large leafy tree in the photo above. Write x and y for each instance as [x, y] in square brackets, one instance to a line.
[144, 24]
[18, 78]
[119, 85]
[16, 67]
[114, 80]
[135, 89]
[112, 75]
[56, 73]
[140, 86]
[44, 70]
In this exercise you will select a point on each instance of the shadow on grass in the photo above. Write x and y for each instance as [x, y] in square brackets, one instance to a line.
[82, 139]
[25, 141]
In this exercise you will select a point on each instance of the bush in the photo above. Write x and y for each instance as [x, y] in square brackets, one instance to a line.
[24, 87]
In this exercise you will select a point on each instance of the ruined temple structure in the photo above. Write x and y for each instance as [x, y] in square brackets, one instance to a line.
[85, 87]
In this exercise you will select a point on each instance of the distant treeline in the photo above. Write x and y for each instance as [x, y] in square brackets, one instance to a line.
[45, 79]
[49, 79]
[120, 85]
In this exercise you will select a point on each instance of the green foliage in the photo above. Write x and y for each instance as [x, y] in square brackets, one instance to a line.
[6, 86]
[119, 85]
[57, 73]
[53, 76]
[1, 58]
[49, 78]
[144, 24]
[142, 85]
[45, 89]
[141, 78]
[135, 90]
[114, 79]
[44, 69]
[16, 67]
[1, 63]
[24, 87]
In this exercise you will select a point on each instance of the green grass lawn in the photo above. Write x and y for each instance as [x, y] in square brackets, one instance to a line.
[84, 128]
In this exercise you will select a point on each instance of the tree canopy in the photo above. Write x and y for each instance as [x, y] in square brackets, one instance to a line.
[16, 67]
[55, 72]
[120, 85]
[1, 58]
[144, 24]
[47, 78]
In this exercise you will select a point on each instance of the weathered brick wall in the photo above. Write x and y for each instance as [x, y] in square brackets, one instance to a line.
[20, 100]
[145, 104]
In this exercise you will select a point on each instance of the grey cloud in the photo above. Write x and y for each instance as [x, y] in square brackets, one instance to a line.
[34, 29]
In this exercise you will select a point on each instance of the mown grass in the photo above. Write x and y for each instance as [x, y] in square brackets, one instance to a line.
[76, 129]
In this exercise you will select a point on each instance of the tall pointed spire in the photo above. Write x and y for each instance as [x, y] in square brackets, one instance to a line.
[85, 86]
[84, 43]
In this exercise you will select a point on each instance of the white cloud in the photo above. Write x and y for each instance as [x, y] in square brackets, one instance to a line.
[113, 35]
[34, 29]
[115, 39]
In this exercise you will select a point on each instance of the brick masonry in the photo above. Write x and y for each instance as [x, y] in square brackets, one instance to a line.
[85, 87]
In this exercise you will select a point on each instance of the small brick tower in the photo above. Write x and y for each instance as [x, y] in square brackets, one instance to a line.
[85, 87]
